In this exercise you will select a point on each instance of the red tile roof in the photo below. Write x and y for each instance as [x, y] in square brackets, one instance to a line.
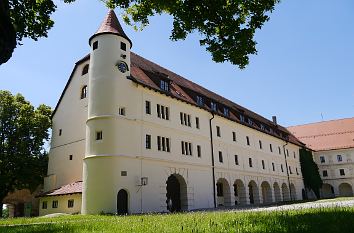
[111, 25]
[68, 189]
[326, 135]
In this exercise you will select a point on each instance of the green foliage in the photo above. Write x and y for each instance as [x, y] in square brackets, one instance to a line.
[227, 28]
[300, 221]
[309, 169]
[5, 213]
[21, 19]
[23, 132]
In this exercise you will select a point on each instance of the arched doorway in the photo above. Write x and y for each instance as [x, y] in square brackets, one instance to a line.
[266, 192]
[277, 194]
[327, 191]
[293, 192]
[345, 190]
[285, 192]
[176, 194]
[253, 192]
[122, 202]
[223, 192]
[240, 193]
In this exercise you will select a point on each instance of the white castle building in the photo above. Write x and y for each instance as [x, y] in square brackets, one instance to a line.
[130, 136]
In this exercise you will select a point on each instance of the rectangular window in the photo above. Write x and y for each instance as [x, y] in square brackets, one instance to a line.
[260, 144]
[291, 172]
[213, 106]
[187, 148]
[287, 152]
[297, 172]
[99, 135]
[199, 151]
[279, 150]
[44, 205]
[163, 112]
[234, 136]
[147, 107]
[60, 132]
[221, 160]
[200, 101]
[158, 142]
[226, 111]
[322, 159]
[248, 140]
[281, 167]
[95, 45]
[250, 162]
[218, 133]
[163, 142]
[189, 120]
[168, 145]
[324, 173]
[270, 147]
[70, 157]
[164, 85]
[122, 111]
[197, 122]
[339, 158]
[123, 46]
[70, 203]
[55, 204]
[263, 165]
[273, 167]
[236, 159]
[219, 190]
[181, 118]
[148, 141]
[341, 172]
[294, 155]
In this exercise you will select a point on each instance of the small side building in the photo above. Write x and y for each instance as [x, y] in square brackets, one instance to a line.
[333, 145]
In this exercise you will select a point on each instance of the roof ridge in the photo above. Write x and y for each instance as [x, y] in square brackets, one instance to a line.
[318, 122]
[326, 134]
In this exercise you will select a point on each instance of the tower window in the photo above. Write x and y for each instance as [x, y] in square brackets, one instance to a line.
[248, 140]
[324, 173]
[95, 45]
[270, 147]
[122, 111]
[85, 69]
[147, 107]
[84, 92]
[273, 166]
[70, 157]
[341, 172]
[148, 141]
[339, 158]
[281, 167]
[60, 132]
[234, 136]
[260, 144]
[123, 46]
[263, 165]
[99, 135]
[250, 162]
[279, 150]
[218, 133]
[322, 159]
[221, 159]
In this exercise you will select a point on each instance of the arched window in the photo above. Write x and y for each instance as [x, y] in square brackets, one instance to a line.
[85, 69]
[84, 92]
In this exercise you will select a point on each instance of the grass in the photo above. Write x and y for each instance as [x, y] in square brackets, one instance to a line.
[306, 220]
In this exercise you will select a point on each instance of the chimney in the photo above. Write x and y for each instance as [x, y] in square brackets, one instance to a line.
[274, 120]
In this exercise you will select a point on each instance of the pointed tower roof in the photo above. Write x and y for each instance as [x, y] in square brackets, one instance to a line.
[111, 25]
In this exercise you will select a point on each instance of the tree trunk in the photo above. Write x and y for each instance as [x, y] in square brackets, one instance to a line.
[1, 205]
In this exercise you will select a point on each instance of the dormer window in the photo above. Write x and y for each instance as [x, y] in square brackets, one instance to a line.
[164, 85]
[85, 69]
[250, 122]
[242, 118]
[226, 111]
[214, 106]
[200, 100]
[262, 127]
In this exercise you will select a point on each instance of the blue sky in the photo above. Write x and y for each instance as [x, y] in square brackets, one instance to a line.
[304, 67]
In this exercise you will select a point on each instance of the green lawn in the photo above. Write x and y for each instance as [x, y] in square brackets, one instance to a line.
[308, 220]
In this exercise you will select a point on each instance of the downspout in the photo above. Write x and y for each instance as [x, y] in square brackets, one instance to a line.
[212, 157]
[287, 170]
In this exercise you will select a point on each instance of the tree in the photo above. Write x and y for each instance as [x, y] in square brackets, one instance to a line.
[310, 174]
[227, 27]
[23, 132]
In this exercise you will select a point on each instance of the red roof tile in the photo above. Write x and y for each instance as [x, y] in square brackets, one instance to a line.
[326, 135]
[111, 25]
[72, 188]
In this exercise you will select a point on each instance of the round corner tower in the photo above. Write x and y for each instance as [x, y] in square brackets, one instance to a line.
[108, 69]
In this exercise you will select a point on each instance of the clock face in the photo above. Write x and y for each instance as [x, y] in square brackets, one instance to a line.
[122, 67]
